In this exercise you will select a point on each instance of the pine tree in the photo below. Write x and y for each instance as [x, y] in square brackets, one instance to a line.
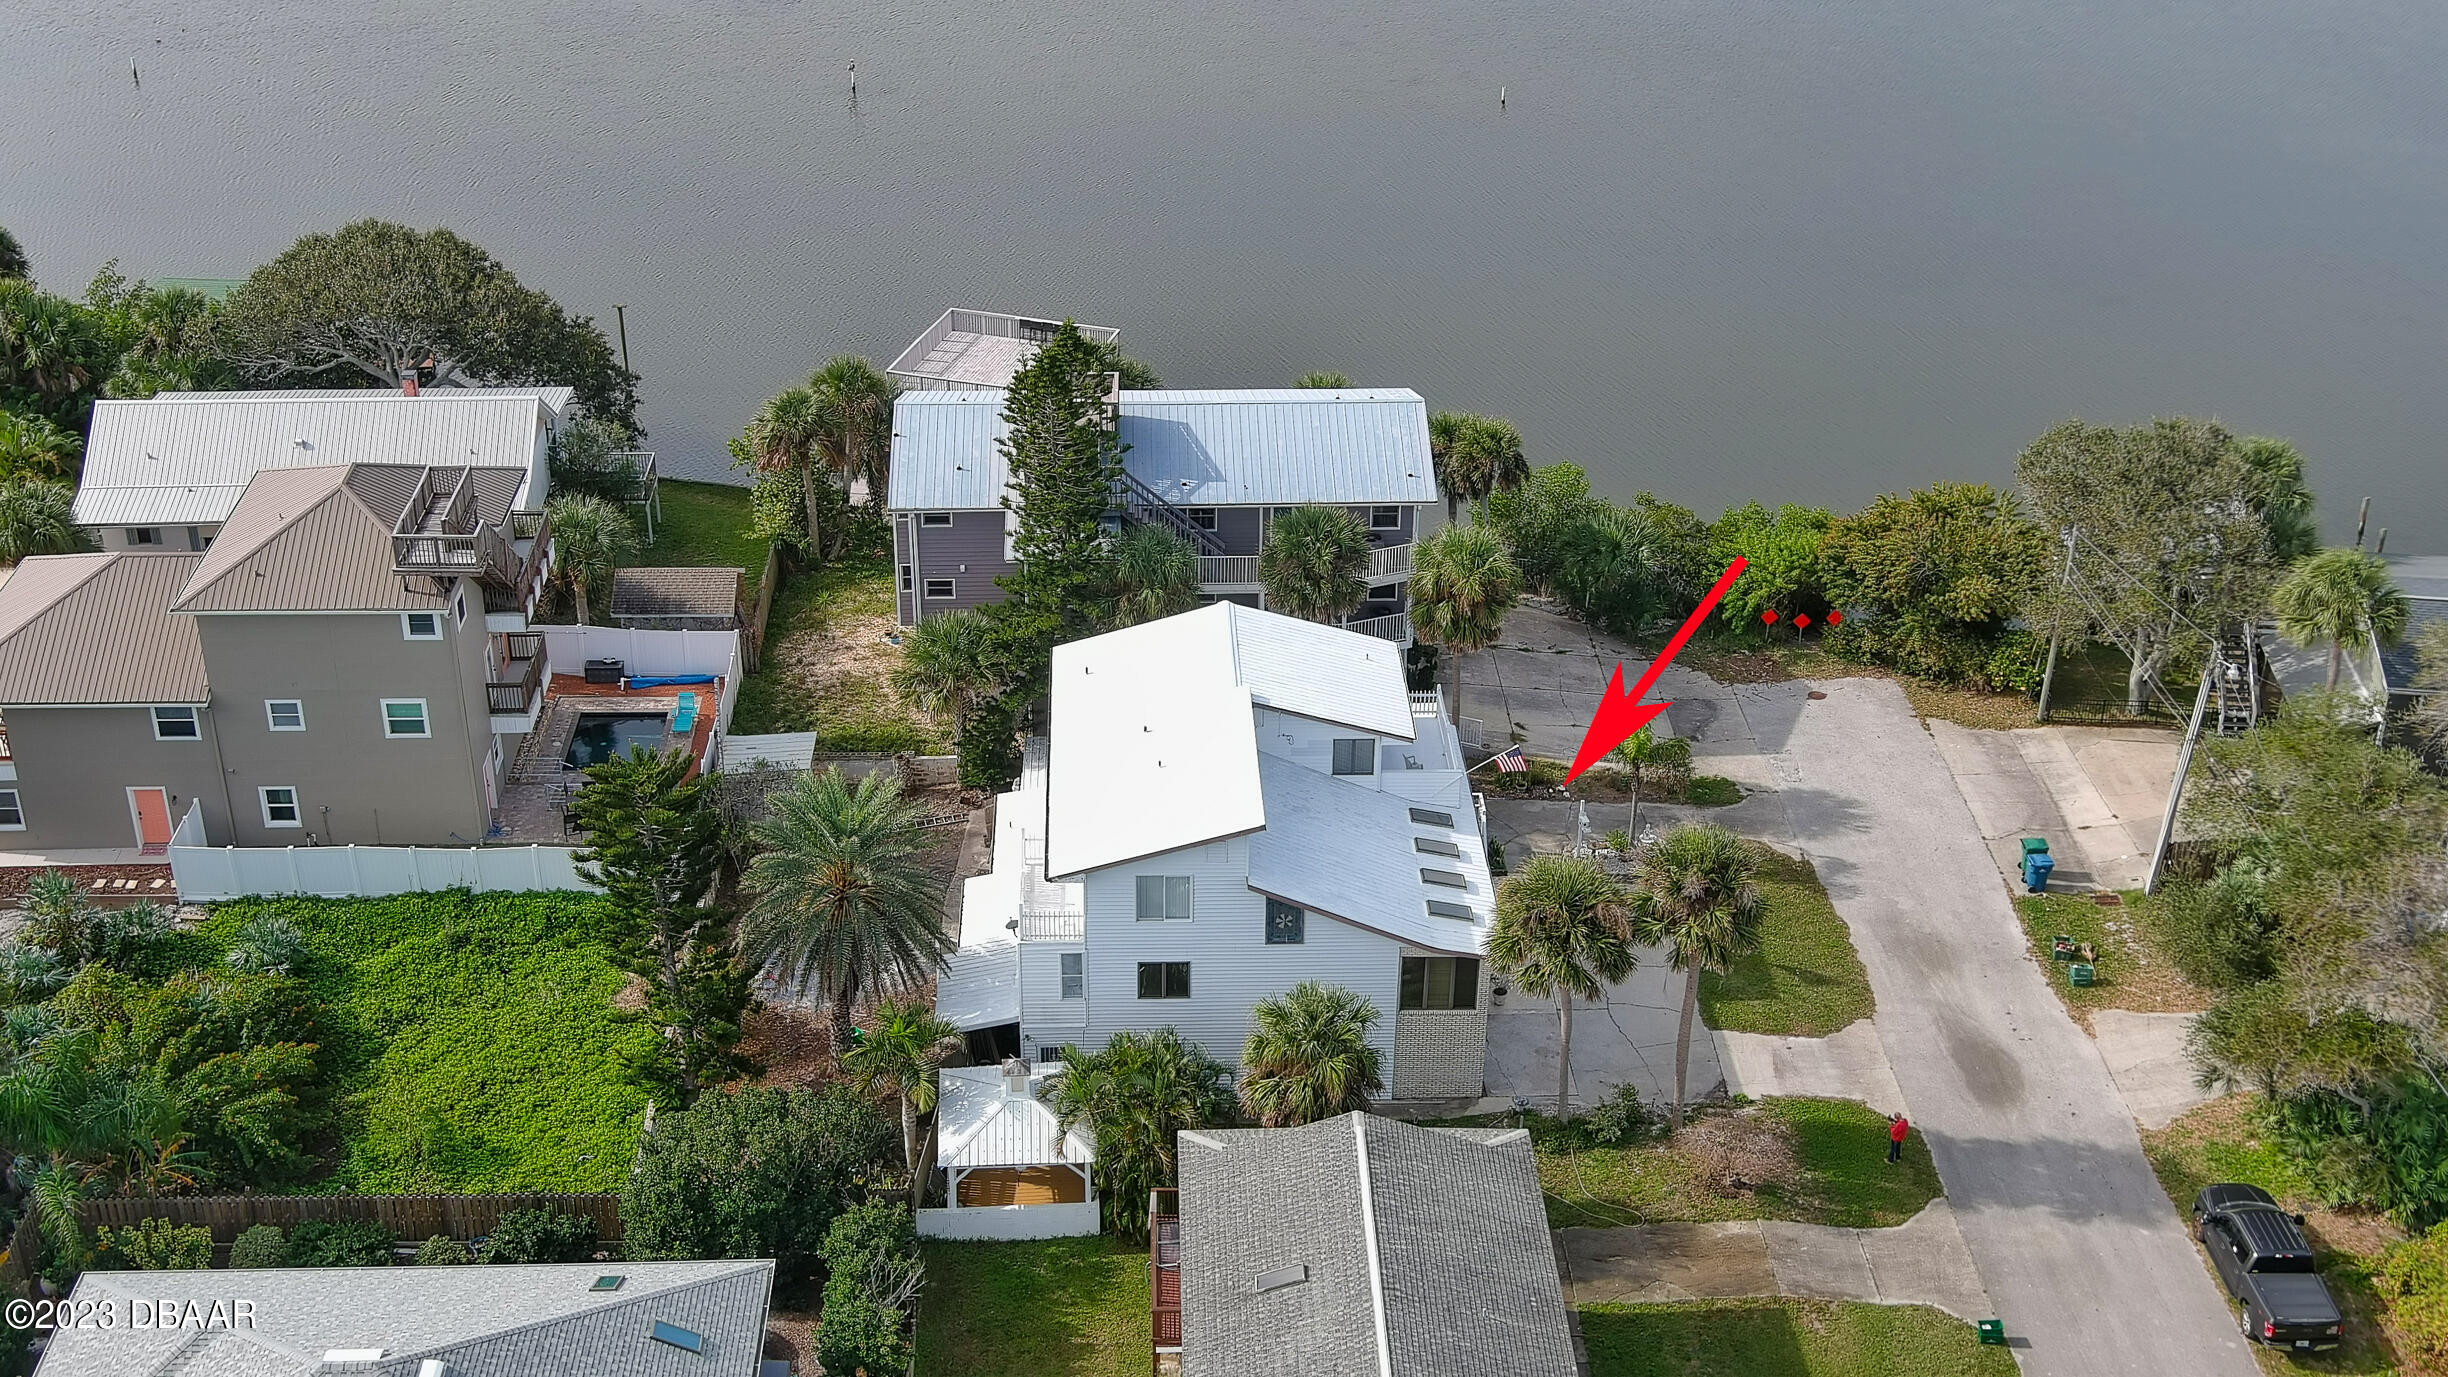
[1064, 457]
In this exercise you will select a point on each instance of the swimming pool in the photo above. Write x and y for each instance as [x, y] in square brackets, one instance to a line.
[599, 736]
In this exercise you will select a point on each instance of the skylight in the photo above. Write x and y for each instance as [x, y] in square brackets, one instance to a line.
[1432, 817]
[1435, 847]
[611, 1283]
[1281, 1277]
[688, 1339]
[1451, 879]
[1446, 909]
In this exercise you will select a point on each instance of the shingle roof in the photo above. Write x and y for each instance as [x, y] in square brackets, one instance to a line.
[185, 458]
[678, 592]
[1424, 1252]
[319, 540]
[98, 629]
[1196, 448]
[482, 1321]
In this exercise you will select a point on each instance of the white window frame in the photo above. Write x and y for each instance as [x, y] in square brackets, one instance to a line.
[15, 804]
[193, 719]
[1071, 975]
[1392, 515]
[272, 717]
[951, 589]
[424, 717]
[408, 630]
[909, 577]
[1359, 752]
[297, 810]
[937, 519]
[1170, 888]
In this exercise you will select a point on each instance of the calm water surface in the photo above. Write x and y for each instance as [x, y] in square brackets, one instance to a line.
[1803, 249]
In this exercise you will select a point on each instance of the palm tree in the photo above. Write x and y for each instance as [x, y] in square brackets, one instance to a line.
[1326, 380]
[840, 896]
[782, 439]
[1315, 563]
[31, 445]
[37, 517]
[2280, 496]
[591, 538]
[1642, 750]
[1308, 1056]
[949, 664]
[1136, 1096]
[2343, 597]
[854, 404]
[1474, 456]
[46, 342]
[1561, 929]
[1157, 574]
[1463, 582]
[1696, 896]
[902, 1054]
[13, 262]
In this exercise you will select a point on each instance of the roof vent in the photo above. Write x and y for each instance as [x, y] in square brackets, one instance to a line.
[1282, 1277]
[1015, 1078]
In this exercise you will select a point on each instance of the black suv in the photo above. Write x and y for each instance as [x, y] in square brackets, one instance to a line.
[2261, 1253]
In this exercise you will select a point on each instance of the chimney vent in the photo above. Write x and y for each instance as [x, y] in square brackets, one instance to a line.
[1015, 1078]
[408, 383]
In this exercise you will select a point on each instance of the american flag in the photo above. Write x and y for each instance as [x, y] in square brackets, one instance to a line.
[1512, 762]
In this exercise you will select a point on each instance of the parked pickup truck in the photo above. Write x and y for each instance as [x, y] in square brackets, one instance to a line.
[2262, 1255]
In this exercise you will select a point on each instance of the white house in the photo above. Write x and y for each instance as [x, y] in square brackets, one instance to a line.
[1009, 1169]
[1231, 802]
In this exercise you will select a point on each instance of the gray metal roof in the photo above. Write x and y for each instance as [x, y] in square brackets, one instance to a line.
[1272, 447]
[703, 591]
[185, 458]
[482, 1321]
[1424, 1252]
[97, 628]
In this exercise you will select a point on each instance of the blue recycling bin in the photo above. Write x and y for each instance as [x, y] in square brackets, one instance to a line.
[2036, 868]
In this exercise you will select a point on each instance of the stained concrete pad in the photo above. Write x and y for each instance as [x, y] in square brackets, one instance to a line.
[2146, 1057]
[1665, 1262]
[2095, 793]
[1629, 1039]
[1921, 1262]
[1849, 1064]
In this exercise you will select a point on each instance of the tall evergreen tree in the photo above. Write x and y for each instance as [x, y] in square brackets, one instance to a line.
[654, 844]
[1064, 456]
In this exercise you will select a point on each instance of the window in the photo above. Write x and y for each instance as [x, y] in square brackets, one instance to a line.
[280, 806]
[1386, 592]
[1431, 818]
[907, 582]
[1074, 975]
[1451, 879]
[1440, 982]
[1201, 517]
[1162, 897]
[285, 714]
[1047, 1054]
[935, 518]
[12, 812]
[459, 608]
[1446, 909]
[1385, 518]
[1433, 847]
[405, 717]
[197, 540]
[1164, 980]
[939, 588]
[176, 724]
[144, 535]
[1286, 926]
[1355, 755]
[688, 1340]
[421, 626]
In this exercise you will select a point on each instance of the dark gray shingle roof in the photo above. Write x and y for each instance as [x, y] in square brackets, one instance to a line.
[676, 592]
[1451, 1243]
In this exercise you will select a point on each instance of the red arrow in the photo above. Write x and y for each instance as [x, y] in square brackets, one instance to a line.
[1621, 714]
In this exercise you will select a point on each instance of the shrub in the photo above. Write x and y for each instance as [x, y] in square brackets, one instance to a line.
[2392, 1156]
[1711, 791]
[2413, 1278]
[341, 1243]
[30, 973]
[442, 1250]
[760, 1173]
[541, 1236]
[1619, 1120]
[260, 1246]
[2017, 660]
[268, 943]
[859, 1336]
[1740, 1153]
[154, 1245]
[2221, 933]
[871, 1274]
[990, 745]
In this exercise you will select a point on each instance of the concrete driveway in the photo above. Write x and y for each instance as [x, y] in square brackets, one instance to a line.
[1627, 1040]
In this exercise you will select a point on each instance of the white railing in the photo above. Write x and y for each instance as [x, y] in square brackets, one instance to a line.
[1391, 562]
[1074, 1220]
[1228, 569]
[1394, 626]
[1428, 703]
[342, 872]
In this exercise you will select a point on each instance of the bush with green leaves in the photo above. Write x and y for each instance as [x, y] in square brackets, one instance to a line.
[1619, 1120]
[760, 1173]
[442, 1250]
[30, 973]
[872, 1274]
[2413, 1279]
[267, 942]
[1785, 573]
[2388, 1153]
[62, 919]
[342, 1243]
[260, 1245]
[990, 744]
[153, 1245]
[524, 1236]
[2221, 932]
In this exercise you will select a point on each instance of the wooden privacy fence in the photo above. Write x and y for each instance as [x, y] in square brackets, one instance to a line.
[413, 1217]
[17, 1266]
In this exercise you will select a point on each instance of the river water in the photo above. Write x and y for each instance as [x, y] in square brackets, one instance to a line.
[1795, 249]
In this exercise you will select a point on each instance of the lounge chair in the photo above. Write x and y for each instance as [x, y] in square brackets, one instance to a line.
[684, 719]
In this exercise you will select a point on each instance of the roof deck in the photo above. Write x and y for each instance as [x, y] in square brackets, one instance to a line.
[968, 350]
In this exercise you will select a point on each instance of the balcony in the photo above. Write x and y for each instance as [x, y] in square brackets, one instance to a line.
[1231, 569]
[509, 604]
[1390, 562]
[1394, 626]
[515, 700]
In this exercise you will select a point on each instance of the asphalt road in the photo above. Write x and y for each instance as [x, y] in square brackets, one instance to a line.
[2089, 1266]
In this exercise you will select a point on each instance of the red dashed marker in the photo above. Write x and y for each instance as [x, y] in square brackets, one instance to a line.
[1768, 617]
[1802, 623]
[1835, 617]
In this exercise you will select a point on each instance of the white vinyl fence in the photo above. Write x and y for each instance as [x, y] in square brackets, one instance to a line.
[205, 873]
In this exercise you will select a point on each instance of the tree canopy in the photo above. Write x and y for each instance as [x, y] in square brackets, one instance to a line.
[1064, 459]
[1315, 562]
[1930, 580]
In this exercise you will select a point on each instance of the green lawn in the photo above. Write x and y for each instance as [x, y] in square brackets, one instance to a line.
[706, 524]
[1805, 980]
[1840, 1146]
[2128, 973]
[1064, 1307]
[828, 663]
[1773, 1336]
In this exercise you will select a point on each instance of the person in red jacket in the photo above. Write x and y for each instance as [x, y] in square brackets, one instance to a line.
[1896, 1129]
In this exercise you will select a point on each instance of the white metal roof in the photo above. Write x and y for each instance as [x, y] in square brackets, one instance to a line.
[1347, 851]
[185, 458]
[782, 750]
[1276, 446]
[981, 1124]
[979, 986]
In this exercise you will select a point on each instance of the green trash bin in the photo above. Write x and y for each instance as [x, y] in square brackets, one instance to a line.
[2035, 846]
[1993, 1332]
[2082, 973]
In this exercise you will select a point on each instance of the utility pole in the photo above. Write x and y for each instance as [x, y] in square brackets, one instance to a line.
[2184, 766]
[2048, 677]
[620, 317]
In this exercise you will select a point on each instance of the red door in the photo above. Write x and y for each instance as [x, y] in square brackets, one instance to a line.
[152, 819]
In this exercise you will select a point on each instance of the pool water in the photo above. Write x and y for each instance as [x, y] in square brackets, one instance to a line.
[600, 736]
